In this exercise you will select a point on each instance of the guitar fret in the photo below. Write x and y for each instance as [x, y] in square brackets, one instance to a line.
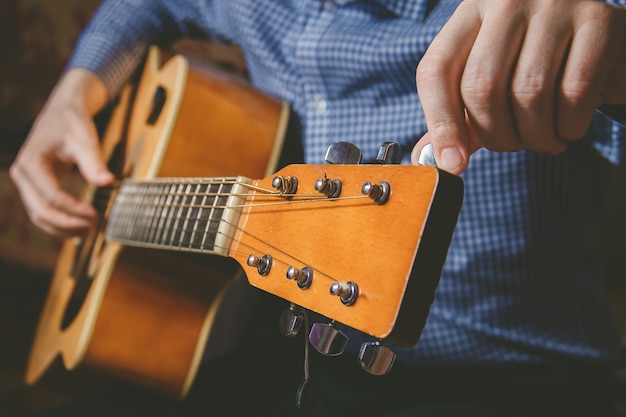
[121, 213]
[175, 215]
[142, 215]
[166, 200]
[211, 228]
[132, 214]
[163, 224]
[146, 214]
[115, 226]
[220, 204]
[182, 210]
[182, 214]
[202, 219]
[154, 197]
[208, 223]
[170, 214]
[197, 212]
[187, 209]
[158, 203]
[140, 218]
[179, 215]
[138, 209]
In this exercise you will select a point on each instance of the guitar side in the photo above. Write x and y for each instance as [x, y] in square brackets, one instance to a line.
[147, 315]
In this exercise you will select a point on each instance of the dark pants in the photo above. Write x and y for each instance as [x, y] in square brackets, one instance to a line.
[527, 392]
[262, 377]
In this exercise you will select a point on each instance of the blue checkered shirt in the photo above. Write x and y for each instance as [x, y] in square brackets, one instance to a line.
[523, 280]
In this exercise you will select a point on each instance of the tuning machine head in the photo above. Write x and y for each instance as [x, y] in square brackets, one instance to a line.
[343, 153]
[327, 339]
[291, 320]
[376, 358]
[389, 153]
[427, 156]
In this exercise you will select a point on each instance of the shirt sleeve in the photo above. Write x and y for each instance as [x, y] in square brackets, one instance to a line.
[609, 138]
[120, 32]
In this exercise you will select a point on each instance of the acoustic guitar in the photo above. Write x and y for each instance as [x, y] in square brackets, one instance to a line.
[362, 245]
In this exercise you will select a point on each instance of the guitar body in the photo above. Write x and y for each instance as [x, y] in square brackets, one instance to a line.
[141, 313]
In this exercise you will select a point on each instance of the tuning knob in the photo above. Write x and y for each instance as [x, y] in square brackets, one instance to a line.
[346, 291]
[291, 320]
[389, 153]
[327, 339]
[376, 358]
[427, 156]
[343, 153]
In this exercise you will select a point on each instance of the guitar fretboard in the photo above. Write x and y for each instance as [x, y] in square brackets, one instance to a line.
[196, 215]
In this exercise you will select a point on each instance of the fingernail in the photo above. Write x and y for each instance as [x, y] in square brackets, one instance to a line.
[451, 159]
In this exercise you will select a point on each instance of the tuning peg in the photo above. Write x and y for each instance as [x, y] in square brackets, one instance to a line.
[389, 153]
[327, 339]
[427, 156]
[291, 320]
[343, 153]
[376, 358]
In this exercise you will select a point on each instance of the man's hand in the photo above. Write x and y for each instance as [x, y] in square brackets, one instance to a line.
[519, 74]
[63, 135]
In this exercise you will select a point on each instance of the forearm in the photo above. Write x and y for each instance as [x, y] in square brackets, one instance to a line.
[80, 88]
[119, 33]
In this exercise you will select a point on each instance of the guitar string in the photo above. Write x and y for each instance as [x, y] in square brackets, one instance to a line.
[268, 244]
[103, 198]
[107, 190]
[292, 258]
[148, 218]
[155, 182]
[106, 195]
[249, 205]
[179, 231]
[280, 260]
[318, 273]
[189, 243]
[305, 198]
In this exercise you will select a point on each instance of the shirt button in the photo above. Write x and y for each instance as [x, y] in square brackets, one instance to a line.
[320, 106]
[330, 6]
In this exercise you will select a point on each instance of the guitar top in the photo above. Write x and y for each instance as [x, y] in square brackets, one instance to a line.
[360, 244]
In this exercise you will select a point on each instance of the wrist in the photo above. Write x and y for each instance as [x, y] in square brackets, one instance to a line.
[82, 88]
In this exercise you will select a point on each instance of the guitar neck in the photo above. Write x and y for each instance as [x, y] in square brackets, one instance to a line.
[186, 214]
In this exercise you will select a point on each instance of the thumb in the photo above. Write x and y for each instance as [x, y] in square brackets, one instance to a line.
[88, 157]
[451, 158]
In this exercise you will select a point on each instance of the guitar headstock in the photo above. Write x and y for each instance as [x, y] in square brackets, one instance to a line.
[360, 244]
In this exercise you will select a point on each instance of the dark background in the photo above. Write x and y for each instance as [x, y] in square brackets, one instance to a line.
[36, 39]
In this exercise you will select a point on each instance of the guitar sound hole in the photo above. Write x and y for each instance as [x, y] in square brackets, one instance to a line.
[82, 278]
[76, 302]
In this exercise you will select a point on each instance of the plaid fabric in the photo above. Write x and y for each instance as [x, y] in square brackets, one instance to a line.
[523, 277]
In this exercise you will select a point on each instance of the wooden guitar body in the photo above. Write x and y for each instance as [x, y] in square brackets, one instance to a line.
[362, 245]
[141, 313]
